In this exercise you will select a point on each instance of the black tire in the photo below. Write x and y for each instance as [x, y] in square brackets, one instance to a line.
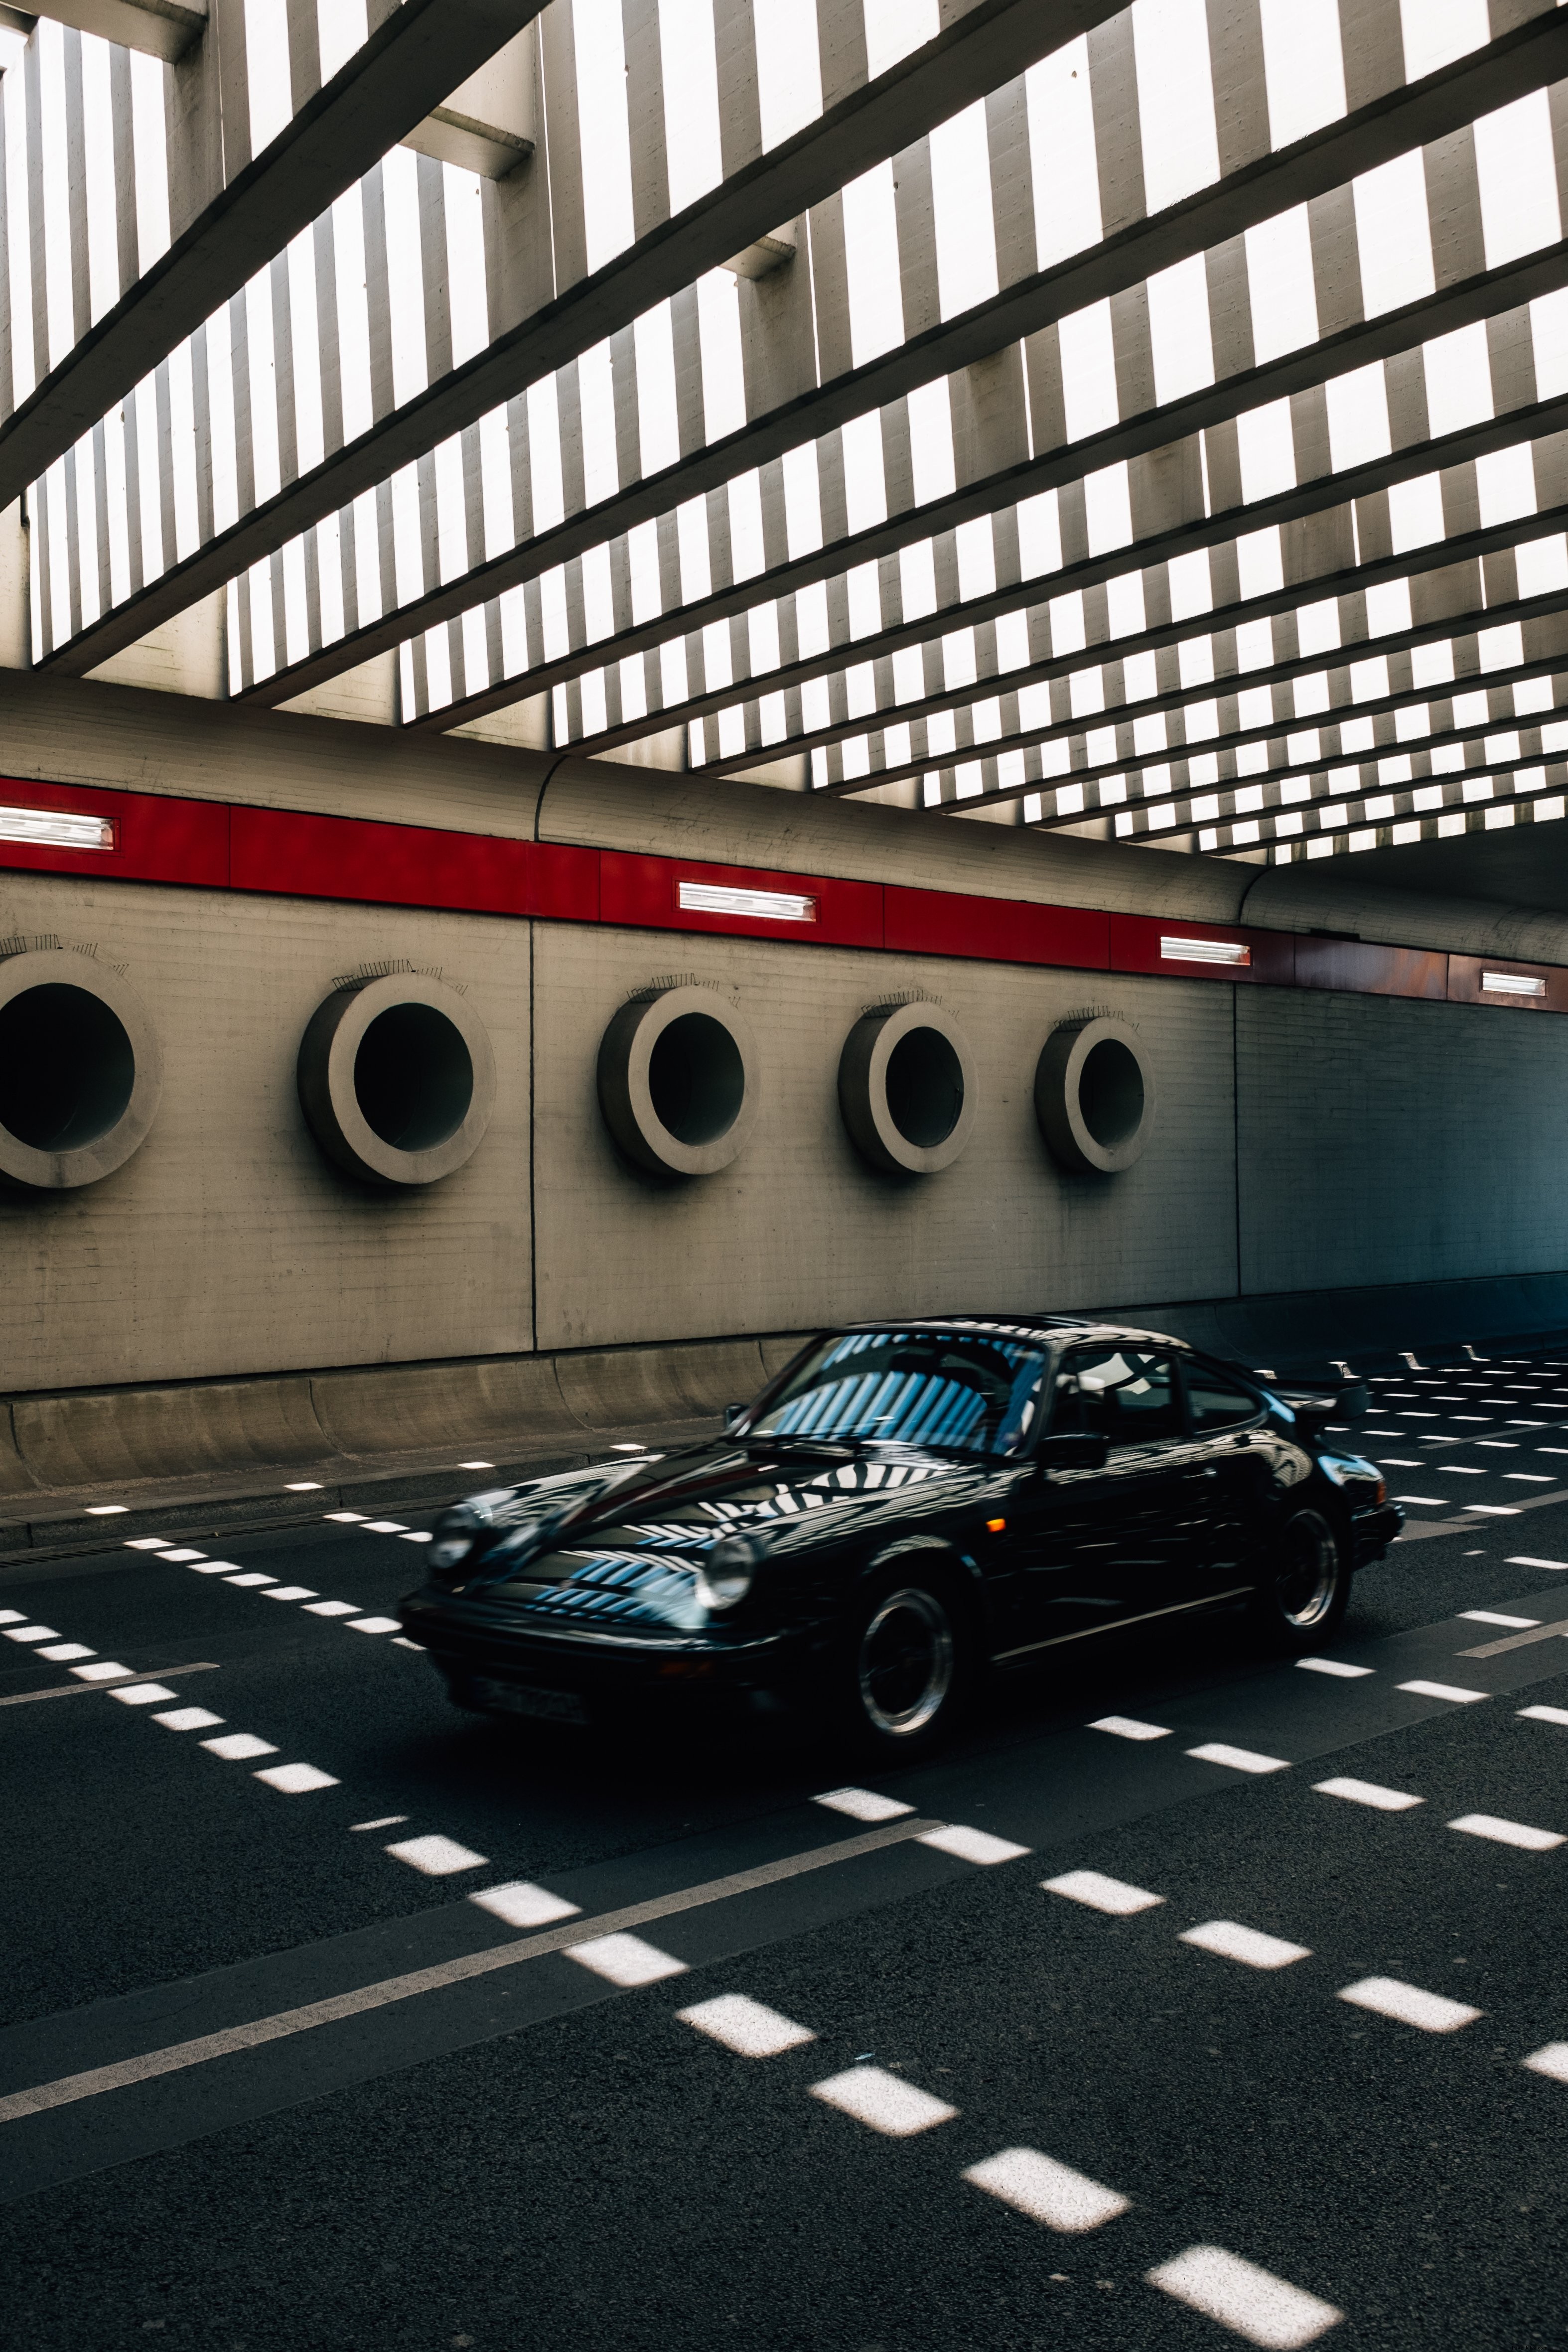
[1303, 1602]
[903, 1666]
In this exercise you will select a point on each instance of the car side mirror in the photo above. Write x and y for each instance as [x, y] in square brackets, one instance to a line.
[734, 1414]
[1074, 1453]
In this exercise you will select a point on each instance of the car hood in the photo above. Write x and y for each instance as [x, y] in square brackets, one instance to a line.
[629, 1539]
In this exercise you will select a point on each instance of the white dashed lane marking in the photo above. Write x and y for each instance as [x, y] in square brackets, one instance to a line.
[1454, 1691]
[436, 1857]
[1337, 1666]
[746, 2027]
[1240, 1760]
[1408, 2005]
[883, 2102]
[1230, 1941]
[188, 1718]
[1545, 1713]
[1519, 1834]
[862, 1804]
[1368, 1793]
[625, 1959]
[522, 1904]
[1248, 2301]
[240, 1747]
[1494, 1617]
[1127, 1726]
[1102, 1893]
[295, 1779]
[1552, 2060]
[1046, 2191]
[972, 1845]
[140, 1694]
[32, 1633]
[291, 1593]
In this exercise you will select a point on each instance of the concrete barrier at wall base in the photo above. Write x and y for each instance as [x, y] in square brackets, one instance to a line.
[126, 1435]
[15, 1478]
[619, 1387]
[467, 1408]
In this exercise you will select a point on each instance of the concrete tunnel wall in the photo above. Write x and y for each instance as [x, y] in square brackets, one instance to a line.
[1305, 1142]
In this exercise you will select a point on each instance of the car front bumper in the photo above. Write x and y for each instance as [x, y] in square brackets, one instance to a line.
[1372, 1532]
[494, 1660]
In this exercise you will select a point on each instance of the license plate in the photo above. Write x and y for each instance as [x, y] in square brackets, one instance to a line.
[527, 1699]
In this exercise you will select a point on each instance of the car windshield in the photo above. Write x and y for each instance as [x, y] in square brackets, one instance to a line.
[972, 1392]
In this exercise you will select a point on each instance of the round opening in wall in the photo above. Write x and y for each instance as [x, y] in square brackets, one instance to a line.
[79, 1069]
[907, 1089]
[925, 1088]
[677, 1081]
[396, 1080]
[696, 1080]
[414, 1077]
[67, 1067]
[1094, 1096]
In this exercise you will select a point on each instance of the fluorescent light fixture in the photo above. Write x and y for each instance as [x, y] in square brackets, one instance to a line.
[1205, 951]
[1512, 983]
[107, 1510]
[761, 906]
[56, 828]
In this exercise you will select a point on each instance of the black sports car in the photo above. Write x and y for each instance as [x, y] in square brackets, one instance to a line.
[905, 1505]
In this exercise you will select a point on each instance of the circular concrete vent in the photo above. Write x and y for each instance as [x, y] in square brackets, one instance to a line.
[906, 1087]
[397, 1079]
[1094, 1096]
[80, 1070]
[677, 1081]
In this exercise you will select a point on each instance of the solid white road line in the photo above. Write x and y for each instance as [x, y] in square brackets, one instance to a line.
[625, 1959]
[1248, 2301]
[1408, 2005]
[1519, 1834]
[1127, 1726]
[435, 1857]
[295, 1779]
[972, 1845]
[1334, 1666]
[862, 1804]
[883, 2102]
[746, 2026]
[1248, 1945]
[1552, 2060]
[1102, 1893]
[1046, 2191]
[1545, 1713]
[1240, 1760]
[240, 1747]
[1445, 1690]
[1368, 1793]
[39, 2098]
[522, 1904]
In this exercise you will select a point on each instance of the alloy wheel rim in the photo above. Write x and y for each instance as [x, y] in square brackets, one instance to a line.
[1305, 1588]
[906, 1662]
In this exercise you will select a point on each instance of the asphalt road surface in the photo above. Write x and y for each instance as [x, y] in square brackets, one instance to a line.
[1189, 2000]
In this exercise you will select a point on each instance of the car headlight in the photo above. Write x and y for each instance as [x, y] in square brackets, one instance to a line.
[724, 1577]
[457, 1529]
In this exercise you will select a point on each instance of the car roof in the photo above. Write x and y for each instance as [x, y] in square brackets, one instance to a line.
[1059, 1327]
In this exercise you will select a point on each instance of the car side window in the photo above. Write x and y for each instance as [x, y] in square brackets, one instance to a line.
[1122, 1395]
[1216, 1402]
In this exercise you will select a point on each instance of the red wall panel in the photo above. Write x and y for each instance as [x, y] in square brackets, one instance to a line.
[995, 930]
[645, 893]
[1135, 946]
[157, 838]
[382, 865]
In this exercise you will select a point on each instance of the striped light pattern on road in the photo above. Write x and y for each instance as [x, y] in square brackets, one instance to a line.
[625, 1959]
[1240, 1760]
[1230, 1941]
[435, 1857]
[1046, 2191]
[1368, 1792]
[746, 2026]
[1127, 1726]
[1250, 2301]
[972, 1845]
[1487, 1825]
[1455, 1691]
[1409, 2005]
[1100, 1894]
[522, 1904]
[294, 1780]
[862, 1804]
[883, 2102]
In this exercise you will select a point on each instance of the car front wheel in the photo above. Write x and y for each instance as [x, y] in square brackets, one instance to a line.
[904, 1667]
[1303, 1601]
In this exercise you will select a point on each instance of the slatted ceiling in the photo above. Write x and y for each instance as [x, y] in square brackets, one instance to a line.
[909, 239]
[1465, 379]
[602, 183]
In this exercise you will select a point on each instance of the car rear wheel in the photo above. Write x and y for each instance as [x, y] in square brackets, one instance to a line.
[904, 1669]
[1303, 1602]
